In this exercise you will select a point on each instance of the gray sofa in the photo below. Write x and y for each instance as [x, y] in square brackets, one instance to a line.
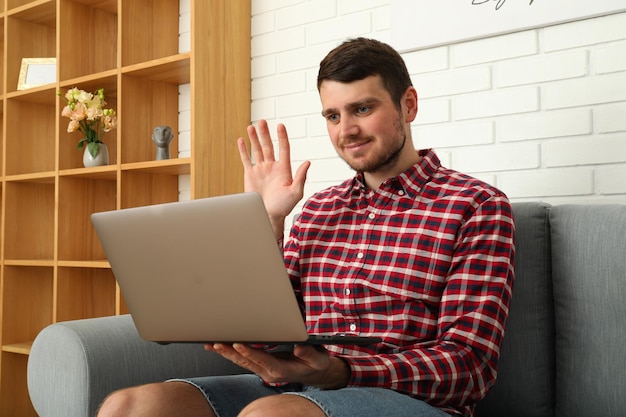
[564, 352]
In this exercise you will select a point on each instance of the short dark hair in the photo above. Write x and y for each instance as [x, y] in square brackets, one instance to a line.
[359, 58]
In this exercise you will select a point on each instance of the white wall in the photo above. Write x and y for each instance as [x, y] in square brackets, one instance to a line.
[541, 113]
[184, 100]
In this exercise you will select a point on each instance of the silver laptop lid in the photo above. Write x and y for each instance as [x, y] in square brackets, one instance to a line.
[206, 270]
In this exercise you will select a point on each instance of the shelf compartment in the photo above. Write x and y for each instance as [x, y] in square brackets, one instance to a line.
[146, 104]
[109, 6]
[149, 30]
[26, 302]
[85, 293]
[70, 157]
[79, 197]
[34, 25]
[144, 188]
[84, 51]
[14, 398]
[31, 145]
[29, 220]
[16, 6]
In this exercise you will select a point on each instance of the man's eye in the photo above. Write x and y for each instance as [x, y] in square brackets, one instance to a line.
[362, 110]
[332, 117]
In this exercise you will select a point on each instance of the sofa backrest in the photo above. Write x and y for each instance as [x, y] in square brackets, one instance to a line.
[564, 352]
[525, 385]
[589, 275]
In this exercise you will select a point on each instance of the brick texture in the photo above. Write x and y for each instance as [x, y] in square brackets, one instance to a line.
[539, 113]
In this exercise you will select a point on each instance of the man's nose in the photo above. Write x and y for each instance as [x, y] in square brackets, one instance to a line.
[348, 127]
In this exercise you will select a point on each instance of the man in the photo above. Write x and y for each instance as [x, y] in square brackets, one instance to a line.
[407, 250]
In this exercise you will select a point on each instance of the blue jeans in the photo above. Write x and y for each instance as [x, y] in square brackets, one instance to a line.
[228, 395]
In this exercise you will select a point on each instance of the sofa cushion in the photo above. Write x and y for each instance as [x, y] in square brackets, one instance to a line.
[525, 384]
[589, 266]
[74, 365]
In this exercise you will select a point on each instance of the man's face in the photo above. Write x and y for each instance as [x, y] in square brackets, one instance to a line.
[364, 125]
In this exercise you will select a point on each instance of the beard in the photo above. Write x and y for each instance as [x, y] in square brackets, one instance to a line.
[386, 157]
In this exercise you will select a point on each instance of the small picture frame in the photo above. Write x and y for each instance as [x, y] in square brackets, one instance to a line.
[37, 71]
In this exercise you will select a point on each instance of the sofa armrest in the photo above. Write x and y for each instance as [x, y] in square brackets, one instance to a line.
[74, 365]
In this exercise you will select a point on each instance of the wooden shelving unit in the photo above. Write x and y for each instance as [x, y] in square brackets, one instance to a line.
[52, 265]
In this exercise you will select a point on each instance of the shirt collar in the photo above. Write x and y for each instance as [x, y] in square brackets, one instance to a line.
[412, 180]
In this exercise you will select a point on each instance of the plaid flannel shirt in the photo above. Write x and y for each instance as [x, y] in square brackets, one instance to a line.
[426, 263]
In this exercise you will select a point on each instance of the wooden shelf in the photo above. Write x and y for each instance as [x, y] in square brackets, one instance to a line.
[44, 94]
[37, 177]
[92, 82]
[102, 172]
[52, 266]
[178, 166]
[173, 69]
[19, 348]
[103, 264]
[29, 262]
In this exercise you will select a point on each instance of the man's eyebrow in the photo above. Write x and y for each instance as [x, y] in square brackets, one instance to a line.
[359, 103]
[328, 111]
[363, 103]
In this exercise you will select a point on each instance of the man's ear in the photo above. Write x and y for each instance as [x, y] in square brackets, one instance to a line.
[409, 104]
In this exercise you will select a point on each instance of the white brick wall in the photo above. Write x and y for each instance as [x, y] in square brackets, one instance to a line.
[184, 100]
[540, 113]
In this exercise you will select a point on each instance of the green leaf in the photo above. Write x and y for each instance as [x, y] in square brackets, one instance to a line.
[93, 148]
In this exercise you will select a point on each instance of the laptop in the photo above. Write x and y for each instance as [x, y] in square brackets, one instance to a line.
[206, 270]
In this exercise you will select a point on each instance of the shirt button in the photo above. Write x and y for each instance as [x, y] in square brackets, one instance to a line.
[371, 216]
[360, 255]
[401, 192]
[352, 327]
[347, 291]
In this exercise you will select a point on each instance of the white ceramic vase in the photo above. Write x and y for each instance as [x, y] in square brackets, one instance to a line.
[101, 158]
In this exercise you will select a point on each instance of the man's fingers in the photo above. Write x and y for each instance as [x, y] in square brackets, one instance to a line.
[267, 147]
[284, 151]
[243, 153]
[300, 177]
[255, 145]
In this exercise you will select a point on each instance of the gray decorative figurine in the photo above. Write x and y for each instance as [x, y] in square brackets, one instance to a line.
[162, 136]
